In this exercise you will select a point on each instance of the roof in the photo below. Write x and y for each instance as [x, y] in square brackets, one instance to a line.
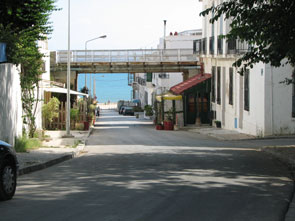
[64, 91]
[189, 83]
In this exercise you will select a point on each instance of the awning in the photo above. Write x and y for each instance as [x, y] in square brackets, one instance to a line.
[63, 91]
[168, 96]
[191, 82]
[136, 101]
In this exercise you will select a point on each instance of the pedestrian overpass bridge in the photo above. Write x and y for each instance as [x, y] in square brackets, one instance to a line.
[125, 61]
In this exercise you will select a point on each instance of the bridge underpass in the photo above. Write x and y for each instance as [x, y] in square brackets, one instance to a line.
[121, 61]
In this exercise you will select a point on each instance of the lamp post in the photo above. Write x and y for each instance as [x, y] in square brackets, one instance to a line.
[102, 36]
[68, 75]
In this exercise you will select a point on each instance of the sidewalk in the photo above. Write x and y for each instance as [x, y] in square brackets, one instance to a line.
[55, 150]
[218, 133]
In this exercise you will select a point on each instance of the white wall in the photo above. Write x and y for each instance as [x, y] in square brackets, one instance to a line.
[43, 48]
[279, 102]
[10, 103]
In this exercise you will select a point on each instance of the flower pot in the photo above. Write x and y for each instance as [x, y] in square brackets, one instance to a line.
[86, 125]
[159, 127]
[218, 124]
[168, 125]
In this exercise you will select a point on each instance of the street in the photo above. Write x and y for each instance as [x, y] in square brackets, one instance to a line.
[130, 171]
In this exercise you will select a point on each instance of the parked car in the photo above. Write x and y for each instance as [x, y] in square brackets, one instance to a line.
[128, 111]
[8, 171]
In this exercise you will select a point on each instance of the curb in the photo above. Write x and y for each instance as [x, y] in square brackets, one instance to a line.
[290, 213]
[53, 162]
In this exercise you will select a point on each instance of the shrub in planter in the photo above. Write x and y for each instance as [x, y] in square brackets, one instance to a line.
[218, 123]
[148, 110]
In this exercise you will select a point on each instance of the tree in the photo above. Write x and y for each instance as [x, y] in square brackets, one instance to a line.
[22, 24]
[268, 26]
[85, 90]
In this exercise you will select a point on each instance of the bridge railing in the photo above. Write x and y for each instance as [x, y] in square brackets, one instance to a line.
[145, 55]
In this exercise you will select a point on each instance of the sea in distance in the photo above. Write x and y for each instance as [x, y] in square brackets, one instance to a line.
[109, 87]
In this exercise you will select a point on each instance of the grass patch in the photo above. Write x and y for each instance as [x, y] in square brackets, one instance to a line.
[77, 142]
[24, 144]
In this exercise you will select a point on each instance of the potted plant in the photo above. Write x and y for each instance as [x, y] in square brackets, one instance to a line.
[168, 122]
[148, 111]
[218, 123]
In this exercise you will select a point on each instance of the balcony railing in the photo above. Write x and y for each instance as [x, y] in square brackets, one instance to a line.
[219, 45]
[204, 46]
[235, 46]
[211, 45]
[141, 81]
[197, 46]
[164, 76]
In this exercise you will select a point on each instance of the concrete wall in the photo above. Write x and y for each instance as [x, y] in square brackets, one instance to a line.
[43, 48]
[279, 101]
[10, 103]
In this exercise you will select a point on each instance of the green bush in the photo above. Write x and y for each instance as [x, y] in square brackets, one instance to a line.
[137, 109]
[74, 114]
[51, 109]
[148, 110]
[23, 144]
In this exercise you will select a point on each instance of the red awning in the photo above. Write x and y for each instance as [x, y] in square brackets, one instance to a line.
[191, 82]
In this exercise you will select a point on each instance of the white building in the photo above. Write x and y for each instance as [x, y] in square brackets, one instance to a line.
[147, 85]
[256, 103]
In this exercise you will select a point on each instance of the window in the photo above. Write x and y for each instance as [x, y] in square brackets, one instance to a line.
[246, 90]
[149, 77]
[293, 96]
[231, 73]
[218, 85]
[213, 83]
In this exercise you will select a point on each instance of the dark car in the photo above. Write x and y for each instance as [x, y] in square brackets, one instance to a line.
[128, 111]
[8, 171]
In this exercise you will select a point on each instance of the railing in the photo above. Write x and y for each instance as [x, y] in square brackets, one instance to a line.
[164, 76]
[146, 55]
[235, 46]
[211, 45]
[220, 45]
[141, 81]
[204, 46]
[197, 46]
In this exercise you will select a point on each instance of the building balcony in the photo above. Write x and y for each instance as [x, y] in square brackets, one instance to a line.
[219, 46]
[164, 76]
[235, 47]
[140, 81]
[211, 45]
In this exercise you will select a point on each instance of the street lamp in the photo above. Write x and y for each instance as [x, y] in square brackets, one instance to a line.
[102, 36]
[68, 75]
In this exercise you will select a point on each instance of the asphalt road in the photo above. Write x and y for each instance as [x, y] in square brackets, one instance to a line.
[132, 172]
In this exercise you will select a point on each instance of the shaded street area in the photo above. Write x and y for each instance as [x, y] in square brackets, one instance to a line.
[130, 171]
